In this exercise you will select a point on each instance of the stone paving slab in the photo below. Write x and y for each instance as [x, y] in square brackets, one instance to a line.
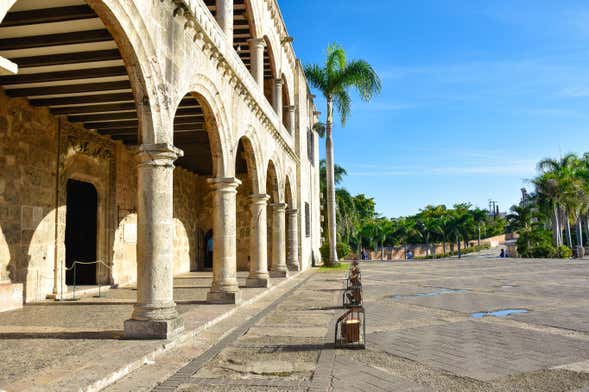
[481, 350]
[573, 318]
[475, 302]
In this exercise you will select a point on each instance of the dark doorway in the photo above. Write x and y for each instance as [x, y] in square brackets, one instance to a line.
[209, 249]
[80, 232]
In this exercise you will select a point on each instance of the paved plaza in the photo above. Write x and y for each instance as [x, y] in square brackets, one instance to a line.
[421, 335]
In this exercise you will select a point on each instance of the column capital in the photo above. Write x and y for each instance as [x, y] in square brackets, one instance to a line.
[290, 108]
[259, 198]
[279, 207]
[224, 183]
[257, 42]
[278, 82]
[292, 211]
[162, 154]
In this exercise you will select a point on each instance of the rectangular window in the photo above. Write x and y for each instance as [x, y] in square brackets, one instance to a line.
[307, 220]
[311, 146]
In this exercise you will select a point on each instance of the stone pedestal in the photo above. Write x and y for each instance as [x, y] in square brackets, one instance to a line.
[279, 269]
[225, 289]
[154, 315]
[258, 276]
[292, 240]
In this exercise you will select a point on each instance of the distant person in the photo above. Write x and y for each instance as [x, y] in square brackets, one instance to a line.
[502, 254]
[409, 255]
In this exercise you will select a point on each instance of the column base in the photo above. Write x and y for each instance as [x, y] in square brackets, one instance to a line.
[153, 329]
[293, 267]
[279, 274]
[223, 297]
[257, 282]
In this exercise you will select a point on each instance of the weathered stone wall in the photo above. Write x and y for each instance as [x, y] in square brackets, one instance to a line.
[27, 194]
[30, 193]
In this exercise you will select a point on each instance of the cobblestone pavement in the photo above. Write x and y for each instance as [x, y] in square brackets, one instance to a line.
[420, 333]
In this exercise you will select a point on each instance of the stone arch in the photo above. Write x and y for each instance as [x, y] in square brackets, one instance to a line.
[290, 196]
[275, 172]
[216, 120]
[272, 74]
[253, 156]
[254, 17]
[137, 49]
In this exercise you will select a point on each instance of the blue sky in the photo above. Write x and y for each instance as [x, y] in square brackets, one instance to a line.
[475, 92]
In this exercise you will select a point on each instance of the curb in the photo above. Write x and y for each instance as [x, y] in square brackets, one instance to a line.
[181, 339]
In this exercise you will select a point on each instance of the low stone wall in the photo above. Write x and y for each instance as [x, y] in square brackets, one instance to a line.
[424, 250]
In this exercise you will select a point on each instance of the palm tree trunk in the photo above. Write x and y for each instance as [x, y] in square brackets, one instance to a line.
[329, 165]
[579, 232]
[567, 225]
[444, 247]
[556, 225]
[479, 241]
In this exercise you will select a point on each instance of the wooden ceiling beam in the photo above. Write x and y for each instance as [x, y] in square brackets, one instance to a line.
[39, 41]
[69, 89]
[59, 76]
[68, 58]
[48, 15]
[83, 99]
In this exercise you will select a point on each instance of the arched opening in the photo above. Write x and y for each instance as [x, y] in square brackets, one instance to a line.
[270, 72]
[272, 191]
[286, 105]
[195, 131]
[243, 27]
[81, 233]
[245, 169]
[70, 104]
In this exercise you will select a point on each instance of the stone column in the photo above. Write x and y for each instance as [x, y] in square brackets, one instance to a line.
[279, 269]
[154, 315]
[290, 110]
[225, 18]
[292, 240]
[277, 98]
[225, 289]
[257, 46]
[258, 276]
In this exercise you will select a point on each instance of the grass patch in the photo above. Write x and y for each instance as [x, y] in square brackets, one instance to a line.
[340, 267]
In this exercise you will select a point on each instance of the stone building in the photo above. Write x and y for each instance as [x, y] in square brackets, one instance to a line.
[150, 138]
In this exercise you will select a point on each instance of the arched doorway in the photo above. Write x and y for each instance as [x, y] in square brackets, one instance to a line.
[81, 233]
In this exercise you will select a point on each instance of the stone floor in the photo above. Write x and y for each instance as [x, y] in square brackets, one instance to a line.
[416, 341]
[64, 346]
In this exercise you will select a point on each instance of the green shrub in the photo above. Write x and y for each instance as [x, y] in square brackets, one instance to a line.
[563, 252]
[536, 244]
[342, 248]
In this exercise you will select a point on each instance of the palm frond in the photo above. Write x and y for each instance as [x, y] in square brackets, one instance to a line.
[343, 105]
[317, 77]
[361, 76]
[336, 59]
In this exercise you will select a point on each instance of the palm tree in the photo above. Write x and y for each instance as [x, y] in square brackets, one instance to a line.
[557, 183]
[334, 80]
[480, 217]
